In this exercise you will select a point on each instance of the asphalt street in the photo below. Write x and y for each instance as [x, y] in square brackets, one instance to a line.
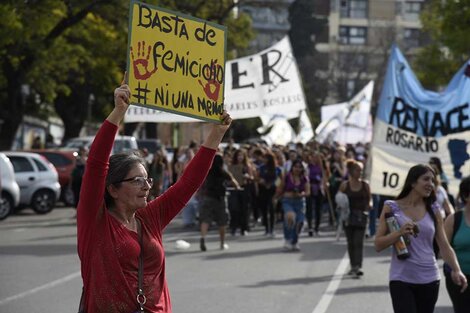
[39, 271]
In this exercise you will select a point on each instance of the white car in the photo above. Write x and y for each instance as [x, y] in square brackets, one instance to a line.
[9, 189]
[121, 143]
[38, 180]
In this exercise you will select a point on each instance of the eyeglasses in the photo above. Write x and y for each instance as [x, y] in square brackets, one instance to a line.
[138, 181]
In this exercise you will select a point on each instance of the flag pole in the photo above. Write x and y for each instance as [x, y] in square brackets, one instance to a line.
[327, 190]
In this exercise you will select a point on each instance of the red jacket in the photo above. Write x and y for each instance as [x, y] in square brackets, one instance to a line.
[109, 252]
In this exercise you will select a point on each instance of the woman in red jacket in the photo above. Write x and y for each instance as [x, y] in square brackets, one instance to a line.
[113, 217]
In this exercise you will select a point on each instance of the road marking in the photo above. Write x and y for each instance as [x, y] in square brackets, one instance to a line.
[330, 291]
[37, 289]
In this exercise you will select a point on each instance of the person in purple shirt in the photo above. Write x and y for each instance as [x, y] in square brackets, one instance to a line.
[414, 281]
[294, 188]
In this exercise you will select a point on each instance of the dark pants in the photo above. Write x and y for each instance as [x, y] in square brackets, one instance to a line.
[333, 206]
[266, 206]
[413, 298]
[309, 212]
[355, 238]
[252, 201]
[317, 202]
[239, 210]
[314, 204]
[460, 301]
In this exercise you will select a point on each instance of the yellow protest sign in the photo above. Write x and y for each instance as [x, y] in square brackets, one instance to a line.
[175, 62]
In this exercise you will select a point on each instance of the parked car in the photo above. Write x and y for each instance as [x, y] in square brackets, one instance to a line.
[38, 180]
[121, 143]
[10, 191]
[152, 145]
[232, 145]
[64, 163]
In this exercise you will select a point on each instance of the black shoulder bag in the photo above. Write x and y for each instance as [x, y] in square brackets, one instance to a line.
[141, 299]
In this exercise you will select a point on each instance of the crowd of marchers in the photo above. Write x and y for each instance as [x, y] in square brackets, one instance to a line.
[297, 185]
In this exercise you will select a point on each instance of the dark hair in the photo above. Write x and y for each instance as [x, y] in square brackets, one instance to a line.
[119, 166]
[258, 152]
[414, 174]
[351, 149]
[295, 162]
[464, 189]
[270, 165]
[351, 164]
[217, 167]
[235, 157]
[437, 162]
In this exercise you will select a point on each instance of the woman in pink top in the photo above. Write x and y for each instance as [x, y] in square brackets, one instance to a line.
[115, 221]
[414, 281]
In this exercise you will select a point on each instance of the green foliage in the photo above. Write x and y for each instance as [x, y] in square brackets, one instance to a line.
[447, 22]
[50, 45]
[304, 27]
[67, 50]
[305, 30]
[239, 31]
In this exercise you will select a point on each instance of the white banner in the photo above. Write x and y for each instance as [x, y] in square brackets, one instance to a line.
[265, 83]
[305, 128]
[281, 132]
[347, 122]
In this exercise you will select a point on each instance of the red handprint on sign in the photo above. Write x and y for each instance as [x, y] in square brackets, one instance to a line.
[212, 87]
[141, 64]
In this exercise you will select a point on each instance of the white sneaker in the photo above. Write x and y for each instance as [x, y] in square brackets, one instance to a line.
[224, 246]
[182, 245]
[296, 247]
[287, 245]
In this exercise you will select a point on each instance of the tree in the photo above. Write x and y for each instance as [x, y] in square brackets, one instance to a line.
[344, 69]
[35, 52]
[66, 51]
[447, 24]
[306, 30]
[357, 65]
[101, 41]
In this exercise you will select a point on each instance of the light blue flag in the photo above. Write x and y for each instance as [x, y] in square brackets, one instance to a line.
[413, 124]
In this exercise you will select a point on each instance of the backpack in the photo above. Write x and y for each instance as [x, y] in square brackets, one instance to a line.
[457, 220]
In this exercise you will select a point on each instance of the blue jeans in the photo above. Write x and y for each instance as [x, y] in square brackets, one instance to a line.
[190, 212]
[296, 205]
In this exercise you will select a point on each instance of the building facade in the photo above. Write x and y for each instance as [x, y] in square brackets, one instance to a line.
[361, 33]
[270, 21]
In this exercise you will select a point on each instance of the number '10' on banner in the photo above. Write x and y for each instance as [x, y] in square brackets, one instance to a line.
[175, 62]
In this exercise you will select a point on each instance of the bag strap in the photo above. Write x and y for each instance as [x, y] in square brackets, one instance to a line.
[81, 307]
[457, 221]
[141, 299]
